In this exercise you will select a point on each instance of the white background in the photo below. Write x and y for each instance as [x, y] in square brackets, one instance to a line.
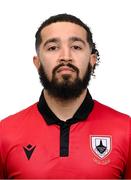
[110, 22]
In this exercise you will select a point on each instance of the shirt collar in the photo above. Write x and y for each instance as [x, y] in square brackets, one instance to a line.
[81, 114]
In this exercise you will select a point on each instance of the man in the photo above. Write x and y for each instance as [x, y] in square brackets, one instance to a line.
[67, 134]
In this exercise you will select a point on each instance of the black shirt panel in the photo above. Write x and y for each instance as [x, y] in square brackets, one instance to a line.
[81, 114]
[50, 118]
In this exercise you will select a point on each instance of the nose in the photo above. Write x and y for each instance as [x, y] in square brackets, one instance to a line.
[65, 55]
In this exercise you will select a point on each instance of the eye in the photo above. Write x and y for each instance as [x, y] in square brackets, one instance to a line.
[52, 48]
[76, 47]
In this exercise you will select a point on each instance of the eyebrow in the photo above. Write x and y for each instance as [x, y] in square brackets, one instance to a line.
[56, 40]
[52, 40]
[74, 38]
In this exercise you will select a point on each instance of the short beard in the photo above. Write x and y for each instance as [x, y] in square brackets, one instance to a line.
[65, 90]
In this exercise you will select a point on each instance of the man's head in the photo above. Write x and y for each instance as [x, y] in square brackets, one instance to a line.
[66, 55]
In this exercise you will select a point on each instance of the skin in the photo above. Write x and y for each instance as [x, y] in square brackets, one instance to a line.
[64, 42]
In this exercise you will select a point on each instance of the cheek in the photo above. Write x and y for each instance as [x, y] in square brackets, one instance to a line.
[48, 71]
[82, 66]
[47, 65]
[48, 68]
[83, 70]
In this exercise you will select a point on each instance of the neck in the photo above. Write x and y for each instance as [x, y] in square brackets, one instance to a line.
[64, 109]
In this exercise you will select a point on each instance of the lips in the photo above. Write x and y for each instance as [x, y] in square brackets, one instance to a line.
[65, 68]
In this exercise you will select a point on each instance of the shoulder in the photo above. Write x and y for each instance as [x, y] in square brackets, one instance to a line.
[108, 113]
[19, 117]
[110, 121]
[107, 109]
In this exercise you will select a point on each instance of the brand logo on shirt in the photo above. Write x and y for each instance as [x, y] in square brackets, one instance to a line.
[29, 150]
[101, 145]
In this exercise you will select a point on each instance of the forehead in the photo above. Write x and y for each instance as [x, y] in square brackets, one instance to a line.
[63, 30]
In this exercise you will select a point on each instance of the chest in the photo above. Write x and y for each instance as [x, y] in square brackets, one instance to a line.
[78, 151]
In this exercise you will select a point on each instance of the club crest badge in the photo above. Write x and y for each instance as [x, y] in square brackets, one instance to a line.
[101, 145]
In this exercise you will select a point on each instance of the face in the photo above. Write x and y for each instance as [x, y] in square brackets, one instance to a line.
[64, 54]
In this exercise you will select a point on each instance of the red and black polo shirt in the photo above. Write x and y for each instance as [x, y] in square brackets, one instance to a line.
[93, 144]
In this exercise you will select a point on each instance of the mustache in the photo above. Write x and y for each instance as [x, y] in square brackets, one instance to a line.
[68, 65]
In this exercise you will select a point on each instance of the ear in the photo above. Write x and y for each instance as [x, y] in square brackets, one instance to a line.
[93, 60]
[36, 61]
